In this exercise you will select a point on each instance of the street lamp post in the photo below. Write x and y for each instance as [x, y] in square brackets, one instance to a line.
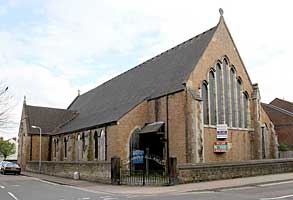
[40, 153]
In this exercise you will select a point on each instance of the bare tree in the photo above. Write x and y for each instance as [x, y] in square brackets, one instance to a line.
[5, 107]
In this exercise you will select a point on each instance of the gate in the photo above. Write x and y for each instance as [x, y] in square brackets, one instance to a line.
[141, 177]
[124, 173]
[139, 171]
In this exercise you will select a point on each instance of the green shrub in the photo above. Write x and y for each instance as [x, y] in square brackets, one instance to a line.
[283, 147]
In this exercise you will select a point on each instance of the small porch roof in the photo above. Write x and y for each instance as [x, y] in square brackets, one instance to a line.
[152, 128]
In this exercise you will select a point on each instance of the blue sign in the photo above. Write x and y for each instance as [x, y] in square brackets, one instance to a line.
[138, 157]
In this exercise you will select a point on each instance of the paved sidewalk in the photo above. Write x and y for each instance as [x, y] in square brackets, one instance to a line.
[147, 190]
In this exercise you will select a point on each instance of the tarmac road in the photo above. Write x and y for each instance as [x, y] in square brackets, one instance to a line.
[29, 188]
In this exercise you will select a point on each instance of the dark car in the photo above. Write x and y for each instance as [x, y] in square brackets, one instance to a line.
[8, 167]
[2, 165]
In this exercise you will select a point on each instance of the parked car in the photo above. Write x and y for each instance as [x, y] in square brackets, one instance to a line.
[9, 167]
[2, 165]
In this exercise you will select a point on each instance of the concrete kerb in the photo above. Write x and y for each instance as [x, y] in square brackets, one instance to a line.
[184, 188]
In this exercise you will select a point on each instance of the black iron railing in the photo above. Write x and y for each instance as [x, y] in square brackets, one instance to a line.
[141, 177]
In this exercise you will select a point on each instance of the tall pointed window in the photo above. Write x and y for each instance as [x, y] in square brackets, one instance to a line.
[226, 92]
[65, 147]
[264, 141]
[239, 103]
[55, 147]
[220, 94]
[212, 98]
[96, 138]
[233, 100]
[82, 144]
[102, 146]
[246, 109]
[205, 100]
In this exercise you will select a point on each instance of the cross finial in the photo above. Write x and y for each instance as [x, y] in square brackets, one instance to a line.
[78, 92]
[221, 11]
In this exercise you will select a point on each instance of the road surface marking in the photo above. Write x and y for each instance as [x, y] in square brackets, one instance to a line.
[271, 184]
[15, 185]
[12, 195]
[48, 182]
[107, 198]
[2, 187]
[237, 188]
[282, 197]
[86, 198]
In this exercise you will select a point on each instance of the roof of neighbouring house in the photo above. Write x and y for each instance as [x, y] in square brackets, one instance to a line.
[163, 74]
[281, 103]
[46, 118]
[279, 112]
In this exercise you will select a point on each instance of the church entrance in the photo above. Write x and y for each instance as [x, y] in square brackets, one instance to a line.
[147, 157]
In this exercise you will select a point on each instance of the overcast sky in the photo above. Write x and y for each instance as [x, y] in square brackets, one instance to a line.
[50, 49]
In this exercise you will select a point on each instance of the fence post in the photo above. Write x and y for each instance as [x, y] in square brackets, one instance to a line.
[115, 170]
[173, 170]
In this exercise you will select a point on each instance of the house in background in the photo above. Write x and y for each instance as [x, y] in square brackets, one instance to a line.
[194, 101]
[280, 112]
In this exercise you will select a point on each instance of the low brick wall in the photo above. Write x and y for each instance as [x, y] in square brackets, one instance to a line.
[216, 171]
[92, 171]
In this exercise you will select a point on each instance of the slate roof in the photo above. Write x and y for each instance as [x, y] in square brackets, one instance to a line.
[161, 75]
[46, 118]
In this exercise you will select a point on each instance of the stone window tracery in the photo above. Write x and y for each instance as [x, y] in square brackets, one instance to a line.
[226, 92]
[205, 99]
[233, 99]
[239, 103]
[213, 114]
[246, 109]
[219, 94]
[224, 101]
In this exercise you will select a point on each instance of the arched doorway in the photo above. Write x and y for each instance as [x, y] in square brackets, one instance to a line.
[150, 140]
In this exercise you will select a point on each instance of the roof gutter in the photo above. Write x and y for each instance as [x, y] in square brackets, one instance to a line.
[88, 128]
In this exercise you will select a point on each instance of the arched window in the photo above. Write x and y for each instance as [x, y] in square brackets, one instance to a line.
[226, 92]
[264, 131]
[233, 100]
[213, 113]
[79, 149]
[102, 146]
[246, 109]
[239, 103]
[220, 94]
[65, 147]
[205, 100]
[55, 147]
[96, 138]
[82, 144]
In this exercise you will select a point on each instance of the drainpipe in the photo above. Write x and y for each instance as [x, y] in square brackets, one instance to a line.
[167, 133]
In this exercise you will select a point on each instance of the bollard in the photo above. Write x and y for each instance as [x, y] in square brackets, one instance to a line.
[76, 175]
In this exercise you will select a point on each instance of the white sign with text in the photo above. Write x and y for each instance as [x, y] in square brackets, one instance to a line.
[222, 131]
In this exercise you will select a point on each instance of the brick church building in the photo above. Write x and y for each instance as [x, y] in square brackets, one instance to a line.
[194, 101]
